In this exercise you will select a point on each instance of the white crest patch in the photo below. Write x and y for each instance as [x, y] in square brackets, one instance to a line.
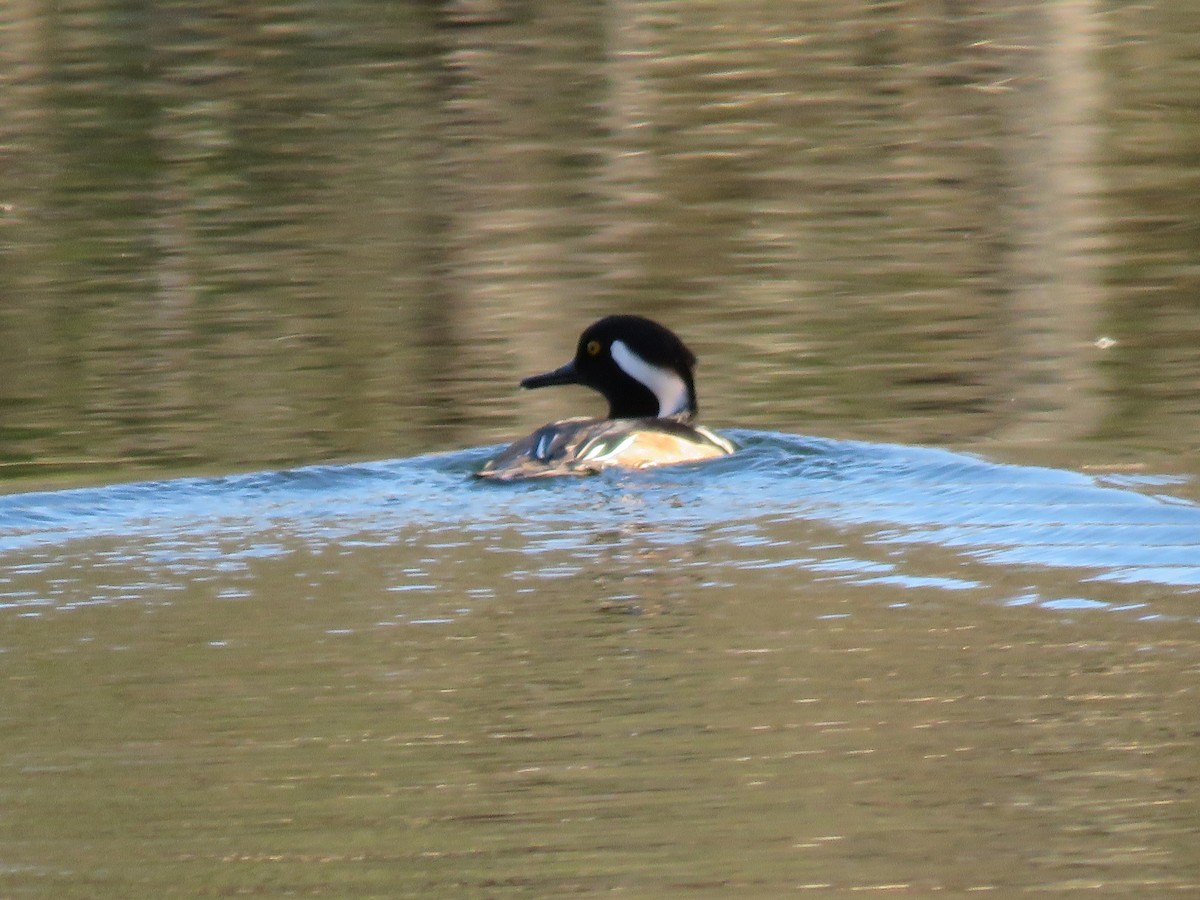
[665, 384]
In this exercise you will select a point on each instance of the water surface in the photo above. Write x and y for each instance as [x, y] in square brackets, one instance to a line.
[269, 276]
[238, 239]
[815, 664]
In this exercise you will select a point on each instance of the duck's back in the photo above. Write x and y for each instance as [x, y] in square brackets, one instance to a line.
[585, 446]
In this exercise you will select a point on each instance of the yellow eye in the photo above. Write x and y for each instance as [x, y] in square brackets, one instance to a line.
[593, 348]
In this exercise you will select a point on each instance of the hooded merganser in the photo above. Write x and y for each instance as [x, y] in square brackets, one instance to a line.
[645, 373]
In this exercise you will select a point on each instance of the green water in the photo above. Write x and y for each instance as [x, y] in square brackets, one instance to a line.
[246, 237]
[236, 238]
[323, 724]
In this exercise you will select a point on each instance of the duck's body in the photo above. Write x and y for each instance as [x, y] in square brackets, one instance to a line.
[645, 373]
[585, 446]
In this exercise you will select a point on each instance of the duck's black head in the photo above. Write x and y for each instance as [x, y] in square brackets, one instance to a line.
[642, 369]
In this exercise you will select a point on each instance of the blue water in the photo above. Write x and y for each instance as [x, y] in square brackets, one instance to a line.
[1107, 529]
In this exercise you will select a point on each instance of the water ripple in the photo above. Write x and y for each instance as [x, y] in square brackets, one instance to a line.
[1115, 529]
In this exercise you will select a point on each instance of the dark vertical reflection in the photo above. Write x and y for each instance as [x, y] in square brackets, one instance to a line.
[439, 306]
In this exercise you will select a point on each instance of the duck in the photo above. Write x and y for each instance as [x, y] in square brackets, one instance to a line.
[645, 372]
